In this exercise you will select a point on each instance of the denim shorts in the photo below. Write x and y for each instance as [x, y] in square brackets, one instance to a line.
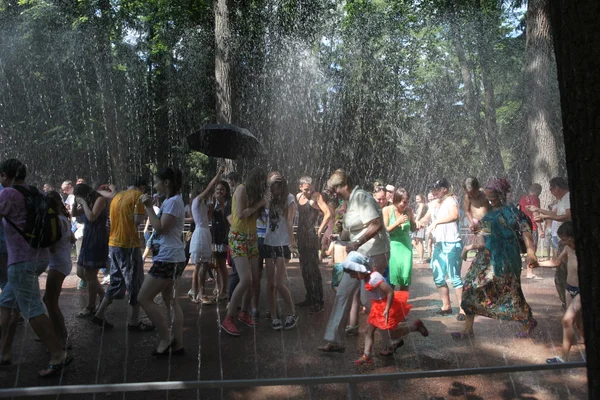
[23, 288]
[446, 261]
[126, 273]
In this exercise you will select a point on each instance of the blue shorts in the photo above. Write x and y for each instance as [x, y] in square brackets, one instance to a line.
[23, 288]
[555, 242]
[446, 261]
[126, 273]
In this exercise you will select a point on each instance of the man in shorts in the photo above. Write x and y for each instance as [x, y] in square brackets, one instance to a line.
[559, 188]
[25, 265]
[125, 253]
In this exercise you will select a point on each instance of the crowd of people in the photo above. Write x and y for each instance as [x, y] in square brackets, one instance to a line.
[250, 225]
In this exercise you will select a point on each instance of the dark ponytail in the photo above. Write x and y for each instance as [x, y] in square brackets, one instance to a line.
[14, 169]
[174, 176]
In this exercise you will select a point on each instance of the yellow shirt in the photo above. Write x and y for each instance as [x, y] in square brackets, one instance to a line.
[245, 225]
[123, 229]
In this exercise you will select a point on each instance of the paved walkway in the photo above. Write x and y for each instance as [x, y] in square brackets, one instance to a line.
[120, 356]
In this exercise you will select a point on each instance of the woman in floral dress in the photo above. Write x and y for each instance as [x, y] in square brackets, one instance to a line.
[492, 286]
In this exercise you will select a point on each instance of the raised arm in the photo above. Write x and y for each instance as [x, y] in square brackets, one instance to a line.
[207, 191]
[241, 208]
[93, 213]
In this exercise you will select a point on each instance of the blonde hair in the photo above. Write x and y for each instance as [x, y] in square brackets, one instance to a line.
[338, 178]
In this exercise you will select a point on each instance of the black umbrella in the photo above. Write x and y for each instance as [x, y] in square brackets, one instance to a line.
[225, 141]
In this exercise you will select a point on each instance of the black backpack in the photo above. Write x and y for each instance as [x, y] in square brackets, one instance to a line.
[42, 226]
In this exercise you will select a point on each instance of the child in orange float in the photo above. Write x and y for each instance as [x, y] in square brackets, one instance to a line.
[388, 308]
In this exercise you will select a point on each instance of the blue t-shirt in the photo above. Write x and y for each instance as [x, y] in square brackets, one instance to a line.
[2, 238]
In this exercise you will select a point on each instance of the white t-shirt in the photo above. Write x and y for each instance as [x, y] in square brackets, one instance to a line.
[562, 206]
[446, 232]
[200, 213]
[172, 248]
[62, 249]
[373, 291]
[362, 209]
[280, 235]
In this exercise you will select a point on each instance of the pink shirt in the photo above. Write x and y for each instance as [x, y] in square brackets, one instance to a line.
[12, 206]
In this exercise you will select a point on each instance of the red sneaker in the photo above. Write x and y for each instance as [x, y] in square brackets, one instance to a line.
[245, 318]
[228, 325]
[364, 360]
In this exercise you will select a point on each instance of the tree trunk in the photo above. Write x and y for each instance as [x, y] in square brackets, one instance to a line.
[223, 40]
[222, 62]
[493, 151]
[471, 98]
[538, 75]
[577, 49]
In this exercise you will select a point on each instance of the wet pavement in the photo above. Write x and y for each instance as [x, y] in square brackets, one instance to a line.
[119, 356]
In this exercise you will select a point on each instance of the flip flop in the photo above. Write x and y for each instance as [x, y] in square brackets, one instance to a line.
[331, 348]
[391, 350]
[54, 369]
[460, 335]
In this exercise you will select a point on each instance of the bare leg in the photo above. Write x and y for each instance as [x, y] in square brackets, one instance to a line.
[94, 287]
[242, 265]
[8, 320]
[459, 292]
[445, 296]
[284, 292]
[150, 289]
[568, 322]
[418, 244]
[223, 276]
[353, 319]
[42, 327]
[173, 292]
[271, 287]
[51, 295]
[369, 338]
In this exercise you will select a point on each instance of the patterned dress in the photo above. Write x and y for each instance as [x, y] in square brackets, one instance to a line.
[492, 286]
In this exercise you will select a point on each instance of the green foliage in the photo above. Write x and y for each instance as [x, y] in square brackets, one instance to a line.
[104, 88]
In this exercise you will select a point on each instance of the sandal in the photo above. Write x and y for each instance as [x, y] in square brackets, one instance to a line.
[86, 312]
[461, 335]
[207, 300]
[331, 348]
[531, 324]
[391, 350]
[443, 313]
[364, 360]
[140, 327]
[351, 330]
[54, 369]
[420, 327]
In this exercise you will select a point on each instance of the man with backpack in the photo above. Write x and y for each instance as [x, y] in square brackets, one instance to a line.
[25, 263]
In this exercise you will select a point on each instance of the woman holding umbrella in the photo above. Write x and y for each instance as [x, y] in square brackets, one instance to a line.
[248, 200]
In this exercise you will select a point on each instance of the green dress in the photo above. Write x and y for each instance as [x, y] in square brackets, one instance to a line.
[400, 253]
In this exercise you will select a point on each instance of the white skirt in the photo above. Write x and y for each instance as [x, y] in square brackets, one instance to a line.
[201, 246]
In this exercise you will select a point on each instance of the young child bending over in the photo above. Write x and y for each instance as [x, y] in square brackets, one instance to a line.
[572, 316]
[388, 308]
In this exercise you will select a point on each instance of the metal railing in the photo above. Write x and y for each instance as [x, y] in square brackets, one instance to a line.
[351, 380]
